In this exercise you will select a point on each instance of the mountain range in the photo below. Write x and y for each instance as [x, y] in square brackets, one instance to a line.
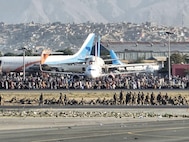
[162, 12]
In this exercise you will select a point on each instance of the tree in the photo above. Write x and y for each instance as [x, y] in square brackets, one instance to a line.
[10, 54]
[27, 53]
[177, 58]
[186, 58]
[66, 51]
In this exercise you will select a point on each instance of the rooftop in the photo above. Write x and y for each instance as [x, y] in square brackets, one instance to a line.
[147, 46]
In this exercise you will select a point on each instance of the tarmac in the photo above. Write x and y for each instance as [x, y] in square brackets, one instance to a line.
[106, 129]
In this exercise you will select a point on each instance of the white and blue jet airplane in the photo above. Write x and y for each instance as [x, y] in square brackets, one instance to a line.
[80, 64]
[66, 63]
[78, 57]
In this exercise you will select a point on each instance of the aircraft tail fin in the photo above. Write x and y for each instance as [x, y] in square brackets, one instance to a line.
[45, 54]
[86, 48]
[114, 58]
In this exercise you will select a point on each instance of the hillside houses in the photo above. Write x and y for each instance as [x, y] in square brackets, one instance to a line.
[146, 37]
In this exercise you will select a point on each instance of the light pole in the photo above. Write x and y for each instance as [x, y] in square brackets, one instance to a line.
[169, 56]
[24, 66]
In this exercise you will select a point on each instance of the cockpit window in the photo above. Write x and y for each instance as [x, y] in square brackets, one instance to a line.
[91, 69]
[91, 62]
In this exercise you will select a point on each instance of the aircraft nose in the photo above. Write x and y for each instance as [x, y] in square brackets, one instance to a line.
[90, 74]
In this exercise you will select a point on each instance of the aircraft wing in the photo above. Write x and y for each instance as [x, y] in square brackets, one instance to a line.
[114, 73]
[126, 65]
[62, 72]
[129, 67]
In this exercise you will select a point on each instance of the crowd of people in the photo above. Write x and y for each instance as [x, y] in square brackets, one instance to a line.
[130, 98]
[58, 81]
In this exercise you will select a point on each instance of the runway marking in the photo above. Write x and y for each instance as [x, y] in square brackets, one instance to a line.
[80, 137]
[158, 129]
[120, 133]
